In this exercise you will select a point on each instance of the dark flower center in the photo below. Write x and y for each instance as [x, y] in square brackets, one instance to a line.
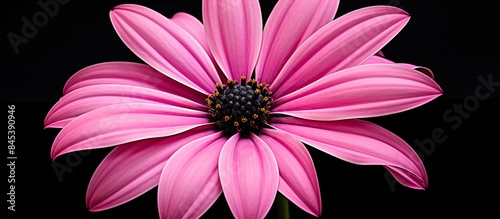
[242, 107]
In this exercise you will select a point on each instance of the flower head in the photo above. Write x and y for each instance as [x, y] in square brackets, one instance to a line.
[224, 107]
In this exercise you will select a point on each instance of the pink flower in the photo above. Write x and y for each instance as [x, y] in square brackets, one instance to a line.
[225, 107]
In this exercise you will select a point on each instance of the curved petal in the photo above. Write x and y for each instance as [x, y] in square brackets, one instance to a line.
[134, 168]
[377, 60]
[358, 142]
[249, 176]
[298, 180]
[347, 41]
[92, 97]
[129, 73]
[165, 46]
[123, 123]
[234, 31]
[359, 92]
[422, 69]
[407, 178]
[291, 22]
[194, 27]
[380, 60]
[189, 183]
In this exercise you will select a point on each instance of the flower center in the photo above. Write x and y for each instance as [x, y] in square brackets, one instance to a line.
[242, 107]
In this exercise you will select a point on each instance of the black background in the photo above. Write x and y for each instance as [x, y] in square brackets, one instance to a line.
[455, 39]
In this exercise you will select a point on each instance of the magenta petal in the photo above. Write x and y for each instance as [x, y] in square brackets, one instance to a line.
[194, 27]
[422, 69]
[249, 176]
[380, 60]
[134, 168]
[359, 142]
[291, 22]
[190, 183]
[170, 50]
[360, 92]
[234, 32]
[88, 98]
[347, 41]
[377, 60]
[298, 180]
[407, 178]
[123, 123]
[129, 73]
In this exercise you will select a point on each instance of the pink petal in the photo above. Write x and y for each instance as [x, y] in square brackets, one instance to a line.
[377, 60]
[291, 22]
[249, 176]
[123, 123]
[406, 178]
[347, 41]
[358, 92]
[189, 183]
[358, 142]
[92, 97]
[165, 46]
[134, 168]
[128, 73]
[380, 60]
[298, 180]
[194, 27]
[422, 69]
[234, 32]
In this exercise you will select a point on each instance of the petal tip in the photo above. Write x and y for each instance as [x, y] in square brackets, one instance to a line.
[93, 207]
[53, 156]
[425, 71]
[56, 151]
[48, 124]
[123, 6]
[399, 10]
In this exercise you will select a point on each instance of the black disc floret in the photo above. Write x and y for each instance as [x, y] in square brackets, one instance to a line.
[242, 107]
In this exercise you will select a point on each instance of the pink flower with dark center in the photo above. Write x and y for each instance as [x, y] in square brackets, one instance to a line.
[224, 107]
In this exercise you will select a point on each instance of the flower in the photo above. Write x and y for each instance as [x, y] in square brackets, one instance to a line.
[224, 107]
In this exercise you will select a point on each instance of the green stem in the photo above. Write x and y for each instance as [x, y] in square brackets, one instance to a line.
[282, 203]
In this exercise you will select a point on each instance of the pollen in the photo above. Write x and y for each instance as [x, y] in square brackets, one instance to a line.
[242, 107]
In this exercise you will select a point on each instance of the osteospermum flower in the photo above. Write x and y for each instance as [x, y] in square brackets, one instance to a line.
[224, 107]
